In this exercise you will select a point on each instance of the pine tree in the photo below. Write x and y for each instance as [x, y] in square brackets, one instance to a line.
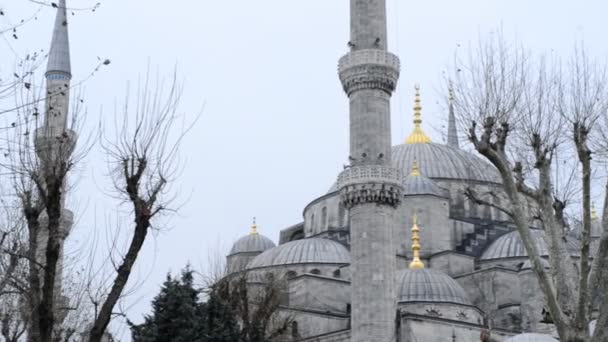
[178, 315]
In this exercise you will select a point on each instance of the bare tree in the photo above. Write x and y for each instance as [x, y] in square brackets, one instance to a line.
[143, 160]
[521, 114]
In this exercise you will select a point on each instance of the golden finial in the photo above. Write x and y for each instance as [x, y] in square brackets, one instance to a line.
[417, 136]
[416, 263]
[415, 169]
[254, 228]
[593, 212]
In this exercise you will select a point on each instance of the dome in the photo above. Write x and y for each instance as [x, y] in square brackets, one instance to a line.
[438, 161]
[531, 338]
[510, 245]
[427, 285]
[443, 162]
[252, 243]
[313, 250]
[417, 184]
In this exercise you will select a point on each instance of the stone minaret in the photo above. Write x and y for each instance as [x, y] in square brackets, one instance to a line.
[370, 187]
[54, 141]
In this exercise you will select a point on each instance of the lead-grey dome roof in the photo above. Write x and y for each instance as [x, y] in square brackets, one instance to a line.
[531, 338]
[427, 285]
[510, 245]
[313, 250]
[438, 161]
[421, 185]
[252, 243]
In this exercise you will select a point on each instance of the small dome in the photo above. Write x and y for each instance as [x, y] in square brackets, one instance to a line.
[313, 250]
[252, 243]
[414, 185]
[531, 338]
[510, 245]
[427, 285]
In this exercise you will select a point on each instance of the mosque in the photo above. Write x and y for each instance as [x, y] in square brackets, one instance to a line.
[395, 250]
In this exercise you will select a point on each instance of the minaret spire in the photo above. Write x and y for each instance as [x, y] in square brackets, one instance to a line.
[371, 188]
[452, 129]
[58, 75]
[418, 136]
[416, 263]
[59, 54]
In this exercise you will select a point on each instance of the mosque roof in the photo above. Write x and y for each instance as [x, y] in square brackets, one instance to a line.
[530, 337]
[418, 184]
[312, 250]
[252, 243]
[428, 285]
[510, 245]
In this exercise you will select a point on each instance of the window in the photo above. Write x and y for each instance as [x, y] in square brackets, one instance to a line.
[269, 276]
[294, 330]
[315, 272]
[341, 214]
[291, 275]
[324, 218]
[337, 274]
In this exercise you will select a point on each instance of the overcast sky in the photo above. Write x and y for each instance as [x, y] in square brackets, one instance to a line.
[273, 134]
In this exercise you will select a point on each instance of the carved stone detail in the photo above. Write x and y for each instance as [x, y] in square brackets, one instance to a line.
[370, 184]
[369, 69]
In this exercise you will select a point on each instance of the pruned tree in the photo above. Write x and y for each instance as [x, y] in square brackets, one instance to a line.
[523, 114]
[142, 150]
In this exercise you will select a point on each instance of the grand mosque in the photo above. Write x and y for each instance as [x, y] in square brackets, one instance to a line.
[395, 250]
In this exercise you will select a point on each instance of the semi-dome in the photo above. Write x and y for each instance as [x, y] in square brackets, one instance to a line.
[313, 250]
[510, 245]
[427, 285]
[530, 337]
[417, 184]
[252, 243]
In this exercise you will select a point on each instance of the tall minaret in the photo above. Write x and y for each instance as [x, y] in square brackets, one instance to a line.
[55, 142]
[370, 187]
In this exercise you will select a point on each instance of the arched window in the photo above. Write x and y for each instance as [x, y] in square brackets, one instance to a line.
[473, 209]
[311, 225]
[337, 274]
[324, 218]
[294, 330]
[269, 277]
[315, 272]
[341, 214]
[291, 275]
[487, 212]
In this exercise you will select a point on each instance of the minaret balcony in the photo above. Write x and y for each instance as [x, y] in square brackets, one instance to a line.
[371, 184]
[52, 145]
[369, 69]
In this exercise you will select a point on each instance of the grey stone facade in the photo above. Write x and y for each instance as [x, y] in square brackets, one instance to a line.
[346, 263]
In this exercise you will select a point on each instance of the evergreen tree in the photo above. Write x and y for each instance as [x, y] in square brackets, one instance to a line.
[178, 315]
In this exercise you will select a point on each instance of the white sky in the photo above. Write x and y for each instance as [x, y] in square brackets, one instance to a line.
[274, 132]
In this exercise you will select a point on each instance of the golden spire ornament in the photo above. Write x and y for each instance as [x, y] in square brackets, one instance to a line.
[254, 228]
[417, 136]
[416, 263]
[415, 169]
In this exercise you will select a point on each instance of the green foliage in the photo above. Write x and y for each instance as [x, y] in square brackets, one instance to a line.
[178, 315]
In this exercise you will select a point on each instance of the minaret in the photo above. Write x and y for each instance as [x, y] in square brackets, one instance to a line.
[452, 129]
[370, 187]
[54, 142]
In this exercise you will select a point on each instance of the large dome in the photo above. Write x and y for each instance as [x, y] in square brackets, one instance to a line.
[439, 161]
[510, 245]
[427, 285]
[531, 338]
[252, 243]
[313, 250]
[442, 162]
